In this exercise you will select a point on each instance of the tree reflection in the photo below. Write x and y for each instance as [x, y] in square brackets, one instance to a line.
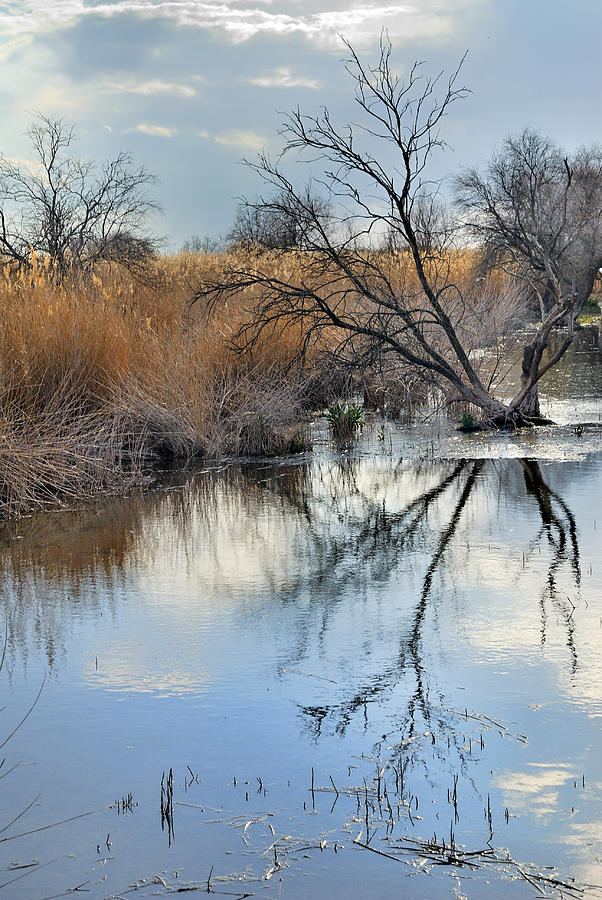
[318, 534]
[559, 529]
[362, 573]
[382, 538]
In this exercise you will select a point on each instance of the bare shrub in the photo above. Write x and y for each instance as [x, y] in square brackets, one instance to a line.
[61, 454]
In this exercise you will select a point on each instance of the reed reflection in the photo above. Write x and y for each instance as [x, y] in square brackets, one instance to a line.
[336, 552]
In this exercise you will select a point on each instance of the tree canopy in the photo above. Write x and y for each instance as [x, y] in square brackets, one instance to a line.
[537, 211]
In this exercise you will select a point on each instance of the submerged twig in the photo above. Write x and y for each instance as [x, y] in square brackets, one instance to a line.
[29, 711]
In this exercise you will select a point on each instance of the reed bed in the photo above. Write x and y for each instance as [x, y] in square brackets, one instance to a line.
[100, 375]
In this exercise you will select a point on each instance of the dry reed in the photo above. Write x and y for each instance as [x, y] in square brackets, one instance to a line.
[99, 376]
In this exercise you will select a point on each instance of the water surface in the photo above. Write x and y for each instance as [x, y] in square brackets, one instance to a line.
[412, 622]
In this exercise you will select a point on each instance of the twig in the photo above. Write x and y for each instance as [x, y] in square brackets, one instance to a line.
[14, 731]
[379, 852]
[92, 812]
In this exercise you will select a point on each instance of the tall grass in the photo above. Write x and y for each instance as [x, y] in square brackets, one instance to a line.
[99, 376]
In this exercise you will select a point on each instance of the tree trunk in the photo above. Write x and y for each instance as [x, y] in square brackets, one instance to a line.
[527, 411]
[529, 408]
[532, 354]
[496, 414]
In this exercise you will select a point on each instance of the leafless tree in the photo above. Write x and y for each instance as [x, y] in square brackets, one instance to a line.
[538, 213]
[280, 222]
[197, 243]
[375, 174]
[72, 210]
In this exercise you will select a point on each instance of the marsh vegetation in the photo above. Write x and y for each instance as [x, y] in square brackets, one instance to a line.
[359, 285]
[103, 376]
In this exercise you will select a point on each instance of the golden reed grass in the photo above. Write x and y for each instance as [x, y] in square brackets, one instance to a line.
[100, 375]
[111, 369]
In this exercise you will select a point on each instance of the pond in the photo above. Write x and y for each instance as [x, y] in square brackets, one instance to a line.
[372, 671]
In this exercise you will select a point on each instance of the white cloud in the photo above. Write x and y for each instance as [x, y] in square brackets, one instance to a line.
[431, 19]
[202, 133]
[236, 137]
[147, 88]
[11, 45]
[536, 790]
[155, 130]
[283, 78]
[31, 166]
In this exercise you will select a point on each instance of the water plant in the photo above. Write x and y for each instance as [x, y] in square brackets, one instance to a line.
[103, 375]
[345, 419]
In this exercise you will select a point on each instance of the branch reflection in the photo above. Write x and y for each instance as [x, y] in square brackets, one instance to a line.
[317, 544]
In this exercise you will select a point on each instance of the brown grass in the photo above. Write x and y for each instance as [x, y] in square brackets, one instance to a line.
[112, 370]
[100, 376]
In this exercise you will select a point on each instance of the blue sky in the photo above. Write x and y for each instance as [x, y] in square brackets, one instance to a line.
[193, 86]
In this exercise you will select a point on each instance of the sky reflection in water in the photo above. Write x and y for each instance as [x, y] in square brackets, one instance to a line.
[437, 620]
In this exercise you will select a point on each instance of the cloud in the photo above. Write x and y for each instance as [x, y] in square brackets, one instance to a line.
[30, 166]
[155, 130]
[147, 88]
[236, 137]
[284, 79]
[240, 22]
[129, 667]
[11, 45]
[536, 790]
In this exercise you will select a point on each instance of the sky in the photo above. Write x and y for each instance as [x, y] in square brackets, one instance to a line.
[192, 87]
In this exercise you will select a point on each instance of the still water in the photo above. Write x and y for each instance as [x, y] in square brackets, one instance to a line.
[390, 647]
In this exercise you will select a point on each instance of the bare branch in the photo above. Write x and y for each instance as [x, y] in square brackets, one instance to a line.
[69, 209]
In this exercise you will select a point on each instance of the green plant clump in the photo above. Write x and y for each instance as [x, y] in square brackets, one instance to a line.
[468, 420]
[298, 443]
[591, 313]
[345, 418]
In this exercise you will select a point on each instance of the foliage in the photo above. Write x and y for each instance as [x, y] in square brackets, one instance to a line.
[345, 419]
[468, 420]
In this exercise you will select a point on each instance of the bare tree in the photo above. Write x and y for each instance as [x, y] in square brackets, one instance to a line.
[376, 172]
[538, 213]
[72, 210]
[197, 243]
[281, 222]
